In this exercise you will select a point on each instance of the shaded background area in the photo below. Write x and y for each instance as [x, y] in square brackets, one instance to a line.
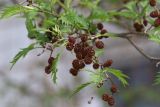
[28, 86]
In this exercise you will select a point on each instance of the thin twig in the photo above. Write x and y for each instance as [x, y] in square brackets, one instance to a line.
[128, 37]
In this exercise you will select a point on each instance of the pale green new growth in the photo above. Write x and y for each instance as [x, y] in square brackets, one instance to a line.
[80, 87]
[121, 76]
[54, 69]
[22, 54]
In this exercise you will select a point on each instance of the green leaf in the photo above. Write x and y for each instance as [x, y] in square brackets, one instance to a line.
[30, 27]
[71, 18]
[54, 69]
[99, 52]
[79, 88]
[122, 77]
[157, 80]
[100, 14]
[154, 35]
[21, 54]
[13, 10]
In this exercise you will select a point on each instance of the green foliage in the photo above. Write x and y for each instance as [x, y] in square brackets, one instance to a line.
[72, 19]
[154, 35]
[122, 77]
[80, 87]
[99, 52]
[44, 22]
[157, 80]
[54, 69]
[21, 54]
[14, 10]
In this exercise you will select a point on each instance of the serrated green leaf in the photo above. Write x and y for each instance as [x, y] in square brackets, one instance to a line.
[13, 10]
[99, 52]
[79, 88]
[157, 80]
[100, 14]
[122, 77]
[54, 69]
[154, 35]
[71, 18]
[21, 54]
[30, 27]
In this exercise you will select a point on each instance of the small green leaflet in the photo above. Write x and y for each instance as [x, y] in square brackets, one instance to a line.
[73, 19]
[99, 52]
[122, 77]
[13, 10]
[157, 80]
[79, 88]
[54, 69]
[154, 35]
[21, 54]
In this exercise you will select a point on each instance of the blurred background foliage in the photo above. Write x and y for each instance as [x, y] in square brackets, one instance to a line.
[27, 85]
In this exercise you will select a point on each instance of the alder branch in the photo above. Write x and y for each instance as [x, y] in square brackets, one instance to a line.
[128, 37]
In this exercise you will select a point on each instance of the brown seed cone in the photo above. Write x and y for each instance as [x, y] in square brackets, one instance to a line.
[103, 31]
[113, 88]
[47, 69]
[88, 60]
[105, 97]
[95, 65]
[69, 46]
[108, 63]
[100, 26]
[154, 14]
[84, 37]
[111, 101]
[91, 53]
[77, 48]
[50, 60]
[145, 22]
[79, 56]
[73, 71]
[157, 22]
[99, 44]
[138, 27]
[71, 39]
[81, 65]
[76, 64]
[152, 3]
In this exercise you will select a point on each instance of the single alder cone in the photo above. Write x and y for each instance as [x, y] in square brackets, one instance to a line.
[50, 60]
[81, 65]
[145, 22]
[111, 101]
[87, 60]
[113, 88]
[71, 39]
[91, 53]
[108, 63]
[154, 14]
[152, 2]
[105, 97]
[79, 56]
[157, 22]
[99, 44]
[100, 26]
[69, 46]
[76, 64]
[138, 27]
[47, 69]
[84, 37]
[95, 65]
[73, 71]
[103, 31]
